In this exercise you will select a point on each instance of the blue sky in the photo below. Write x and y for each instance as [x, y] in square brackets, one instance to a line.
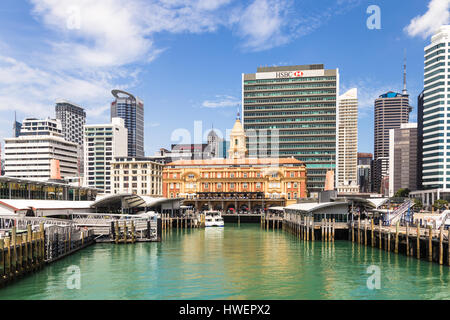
[185, 58]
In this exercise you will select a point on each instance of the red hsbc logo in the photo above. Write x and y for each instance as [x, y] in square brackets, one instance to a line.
[289, 74]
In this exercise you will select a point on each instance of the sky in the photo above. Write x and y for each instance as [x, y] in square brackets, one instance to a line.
[185, 58]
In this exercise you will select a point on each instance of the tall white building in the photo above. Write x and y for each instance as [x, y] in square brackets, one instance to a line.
[40, 141]
[347, 142]
[435, 114]
[102, 143]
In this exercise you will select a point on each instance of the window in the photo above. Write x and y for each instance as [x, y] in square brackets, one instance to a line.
[236, 141]
[289, 195]
[219, 186]
[295, 185]
[191, 176]
[171, 186]
[245, 185]
[292, 174]
[206, 185]
[245, 175]
[295, 195]
[206, 175]
[231, 185]
[289, 185]
[232, 175]
[258, 185]
[219, 175]
[174, 175]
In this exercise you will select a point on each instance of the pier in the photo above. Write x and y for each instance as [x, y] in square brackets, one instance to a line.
[410, 239]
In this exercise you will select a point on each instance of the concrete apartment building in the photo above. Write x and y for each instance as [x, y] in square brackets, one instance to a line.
[403, 158]
[291, 111]
[131, 110]
[40, 142]
[103, 142]
[391, 110]
[347, 143]
[139, 176]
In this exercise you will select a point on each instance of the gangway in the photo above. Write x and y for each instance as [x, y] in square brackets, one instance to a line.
[398, 213]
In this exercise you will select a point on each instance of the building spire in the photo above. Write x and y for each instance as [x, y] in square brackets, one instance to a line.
[238, 115]
[405, 91]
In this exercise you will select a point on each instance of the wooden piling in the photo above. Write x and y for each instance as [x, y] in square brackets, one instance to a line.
[117, 231]
[19, 255]
[133, 230]
[7, 258]
[372, 240]
[29, 247]
[353, 231]
[380, 245]
[407, 239]
[312, 228]
[125, 232]
[365, 232]
[307, 228]
[321, 230]
[389, 240]
[2, 260]
[418, 240]
[396, 238]
[333, 230]
[441, 246]
[359, 228]
[14, 250]
[430, 243]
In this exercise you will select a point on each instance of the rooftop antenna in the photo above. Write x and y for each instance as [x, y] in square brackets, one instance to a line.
[405, 91]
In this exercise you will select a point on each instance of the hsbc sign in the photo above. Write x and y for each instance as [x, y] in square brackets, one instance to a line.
[290, 74]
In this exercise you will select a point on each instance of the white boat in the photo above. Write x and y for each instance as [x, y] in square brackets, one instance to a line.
[213, 219]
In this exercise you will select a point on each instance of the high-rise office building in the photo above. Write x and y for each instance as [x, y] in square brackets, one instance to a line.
[73, 118]
[419, 141]
[435, 113]
[365, 162]
[347, 143]
[39, 144]
[291, 111]
[131, 110]
[403, 158]
[391, 110]
[102, 143]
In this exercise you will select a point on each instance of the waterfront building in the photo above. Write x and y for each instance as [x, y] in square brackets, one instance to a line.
[140, 176]
[236, 184]
[30, 155]
[25, 189]
[103, 142]
[391, 110]
[365, 163]
[291, 111]
[403, 158]
[73, 118]
[347, 142]
[435, 105]
[131, 110]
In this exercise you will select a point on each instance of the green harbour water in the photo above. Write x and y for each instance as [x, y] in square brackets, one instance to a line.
[235, 262]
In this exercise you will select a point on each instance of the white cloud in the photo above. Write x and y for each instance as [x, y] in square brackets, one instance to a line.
[438, 14]
[222, 101]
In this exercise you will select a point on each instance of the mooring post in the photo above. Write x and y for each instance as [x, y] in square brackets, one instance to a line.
[321, 230]
[19, 254]
[14, 250]
[389, 240]
[312, 228]
[430, 243]
[125, 232]
[30, 247]
[333, 229]
[353, 231]
[441, 246]
[396, 237]
[372, 240]
[365, 232]
[448, 247]
[407, 239]
[380, 245]
[7, 258]
[2, 260]
[418, 240]
[117, 231]
[359, 228]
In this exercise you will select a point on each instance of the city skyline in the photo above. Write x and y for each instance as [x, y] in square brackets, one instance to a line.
[211, 90]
